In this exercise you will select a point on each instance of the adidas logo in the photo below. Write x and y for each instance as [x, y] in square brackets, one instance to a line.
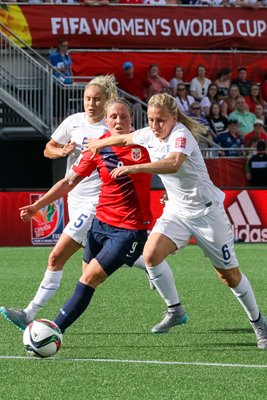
[246, 224]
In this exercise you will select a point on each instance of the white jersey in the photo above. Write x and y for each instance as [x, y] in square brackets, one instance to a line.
[77, 128]
[190, 188]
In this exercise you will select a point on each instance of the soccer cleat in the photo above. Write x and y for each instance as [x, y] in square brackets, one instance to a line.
[170, 319]
[16, 316]
[260, 329]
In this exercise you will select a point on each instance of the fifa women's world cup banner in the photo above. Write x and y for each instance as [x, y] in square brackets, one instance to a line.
[134, 27]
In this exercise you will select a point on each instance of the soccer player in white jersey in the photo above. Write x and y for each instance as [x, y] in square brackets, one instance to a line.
[194, 206]
[67, 140]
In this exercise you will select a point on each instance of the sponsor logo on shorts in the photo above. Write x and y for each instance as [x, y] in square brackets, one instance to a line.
[246, 223]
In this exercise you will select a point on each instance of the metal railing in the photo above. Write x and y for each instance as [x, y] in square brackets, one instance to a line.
[29, 87]
[25, 85]
[229, 152]
[68, 99]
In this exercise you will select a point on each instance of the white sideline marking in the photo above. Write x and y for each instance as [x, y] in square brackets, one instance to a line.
[110, 360]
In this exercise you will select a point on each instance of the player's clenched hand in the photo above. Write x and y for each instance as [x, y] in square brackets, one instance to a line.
[92, 145]
[68, 149]
[27, 212]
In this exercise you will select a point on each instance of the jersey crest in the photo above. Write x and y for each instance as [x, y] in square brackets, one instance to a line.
[180, 143]
[136, 154]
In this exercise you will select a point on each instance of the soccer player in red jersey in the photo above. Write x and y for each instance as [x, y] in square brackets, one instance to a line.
[119, 230]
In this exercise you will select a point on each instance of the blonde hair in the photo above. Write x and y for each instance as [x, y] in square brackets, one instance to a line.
[107, 83]
[164, 99]
[116, 100]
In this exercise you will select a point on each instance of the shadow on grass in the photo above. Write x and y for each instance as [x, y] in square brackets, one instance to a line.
[225, 330]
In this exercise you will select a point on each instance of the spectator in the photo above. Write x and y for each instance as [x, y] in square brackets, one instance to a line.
[223, 81]
[189, 2]
[256, 167]
[230, 140]
[210, 2]
[183, 99]
[217, 121]
[195, 113]
[63, 1]
[134, 84]
[62, 62]
[259, 112]
[244, 3]
[254, 98]
[95, 3]
[155, 83]
[130, 1]
[256, 135]
[244, 117]
[229, 103]
[131, 82]
[242, 82]
[199, 85]
[264, 88]
[35, 1]
[177, 78]
[159, 2]
[212, 97]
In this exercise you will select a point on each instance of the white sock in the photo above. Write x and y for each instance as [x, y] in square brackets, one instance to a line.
[244, 294]
[162, 277]
[46, 290]
[140, 263]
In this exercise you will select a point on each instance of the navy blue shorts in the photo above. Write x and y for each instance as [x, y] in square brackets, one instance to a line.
[113, 247]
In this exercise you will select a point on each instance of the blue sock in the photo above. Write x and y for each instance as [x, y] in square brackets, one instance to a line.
[75, 306]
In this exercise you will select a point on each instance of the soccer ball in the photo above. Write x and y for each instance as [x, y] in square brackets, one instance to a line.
[42, 338]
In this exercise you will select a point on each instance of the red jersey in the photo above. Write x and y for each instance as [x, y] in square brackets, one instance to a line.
[125, 201]
[133, 85]
[249, 137]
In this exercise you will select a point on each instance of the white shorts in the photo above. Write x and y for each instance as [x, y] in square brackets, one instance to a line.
[79, 224]
[212, 231]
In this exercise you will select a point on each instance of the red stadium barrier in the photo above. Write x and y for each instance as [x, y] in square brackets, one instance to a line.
[247, 210]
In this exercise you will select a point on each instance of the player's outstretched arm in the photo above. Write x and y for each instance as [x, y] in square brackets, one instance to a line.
[168, 165]
[95, 145]
[55, 150]
[60, 189]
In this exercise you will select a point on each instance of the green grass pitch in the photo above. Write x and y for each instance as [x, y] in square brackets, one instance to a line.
[109, 353]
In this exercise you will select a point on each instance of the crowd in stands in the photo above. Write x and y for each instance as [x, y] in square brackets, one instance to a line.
[232, 110]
